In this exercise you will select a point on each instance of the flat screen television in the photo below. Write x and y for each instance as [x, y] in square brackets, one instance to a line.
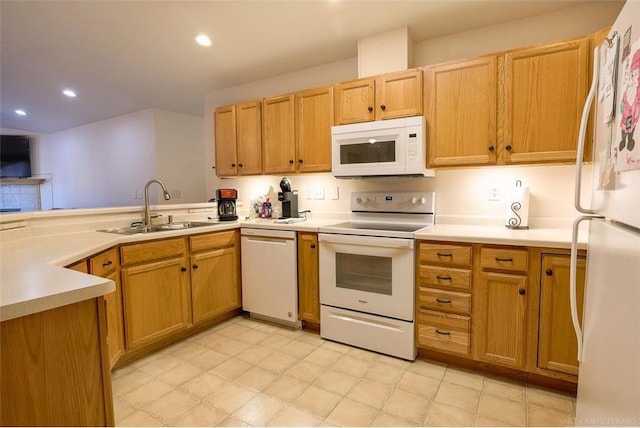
[15, 156]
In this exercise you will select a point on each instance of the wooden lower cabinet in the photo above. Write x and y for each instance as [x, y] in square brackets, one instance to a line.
[308, 277]
[156, 300]
[215, 275]
[55, 368]
[557, 343]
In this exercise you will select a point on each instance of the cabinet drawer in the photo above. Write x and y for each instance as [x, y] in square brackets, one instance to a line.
[504, 259]
[445, 332]
[212, 240]
[445, 254]
[441, 300]
[444, 277]
[154, 250]
[104, 263]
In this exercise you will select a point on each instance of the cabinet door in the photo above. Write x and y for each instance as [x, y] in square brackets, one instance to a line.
[308, 277]
[314, 118]
[156, 300]
[215, 283]
[399, 95]
[115, 325]
[355, 101]
[278, 134]
[545, 89]
[557, 345]
[460, 101]
[499, 319]
[225, 131]
[249, 142]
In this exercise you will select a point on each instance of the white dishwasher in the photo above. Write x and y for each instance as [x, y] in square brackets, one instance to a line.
[270, 274]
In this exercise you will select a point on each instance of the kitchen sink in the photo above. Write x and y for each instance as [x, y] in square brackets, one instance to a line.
[133, 230]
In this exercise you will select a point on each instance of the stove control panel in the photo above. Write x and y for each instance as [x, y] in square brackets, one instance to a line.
[393, 202]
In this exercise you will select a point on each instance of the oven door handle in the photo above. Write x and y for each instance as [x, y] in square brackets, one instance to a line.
[370, 241]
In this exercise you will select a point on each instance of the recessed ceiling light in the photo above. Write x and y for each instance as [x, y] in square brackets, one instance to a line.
[70, 93]
[203, 40]
[21, 112]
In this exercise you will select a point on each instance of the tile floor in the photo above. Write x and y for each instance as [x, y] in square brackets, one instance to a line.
[245, 372]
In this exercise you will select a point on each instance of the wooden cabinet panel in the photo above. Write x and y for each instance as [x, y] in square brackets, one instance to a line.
[104, 263]
[156, 299]
[557, 344]
[215, 283]
[115, 323]
[445, 332]
[278, 134]
[444, 277]
[225, 134]
[355, 101]
[445, 254]
[314, 118]
[504, 259]
[460, 102]
[79, 267]
[544, 92]
[308, 277]
[213, 240]
[442, 300]
[499, 318]
[249, 138]
[398, 95]
[153, 250]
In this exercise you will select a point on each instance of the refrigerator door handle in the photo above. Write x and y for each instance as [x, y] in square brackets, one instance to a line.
[583, 132]
[573, 280]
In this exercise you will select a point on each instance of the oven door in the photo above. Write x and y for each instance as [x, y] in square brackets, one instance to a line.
[370, 152]
[368, 274]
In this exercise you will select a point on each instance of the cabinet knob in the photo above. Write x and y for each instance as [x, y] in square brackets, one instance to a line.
[233, 165]
[508, 147]
[522, 291]
[290, 161]
[107, 263]
[549, 272]
[299, 160]
[370, 108]
[183, 269]
[195, 266]
[492, 148]
[213, 167]
[383, 107]
[240, 165]
[313, 245]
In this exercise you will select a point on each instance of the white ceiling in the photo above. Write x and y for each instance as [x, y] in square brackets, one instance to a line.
[125, 56]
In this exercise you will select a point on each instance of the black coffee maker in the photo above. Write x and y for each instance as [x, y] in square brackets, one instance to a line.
[227, 204]
[289, 199]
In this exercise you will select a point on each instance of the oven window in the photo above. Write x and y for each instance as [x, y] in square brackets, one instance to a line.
[371, 274]
[380, 151]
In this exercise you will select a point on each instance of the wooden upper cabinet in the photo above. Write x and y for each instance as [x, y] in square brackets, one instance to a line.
[399, 95]
[249, 138]
[278, 134]
[313, 119]
[544, 92]
[460, 104]
[388, 96]
[225, 132]
[354, 101]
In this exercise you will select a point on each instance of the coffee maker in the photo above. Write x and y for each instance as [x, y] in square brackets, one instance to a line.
[289, 199]
[227, 204]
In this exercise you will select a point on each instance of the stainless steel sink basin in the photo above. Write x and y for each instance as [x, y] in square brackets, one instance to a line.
[133, 230]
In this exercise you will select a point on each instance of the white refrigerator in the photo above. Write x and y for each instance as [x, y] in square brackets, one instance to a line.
[609, 336]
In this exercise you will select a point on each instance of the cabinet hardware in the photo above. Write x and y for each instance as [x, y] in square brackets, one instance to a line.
[504, 259]
[445, 255]
[444, 278]
[443, 300]
[508, 147]
[213, 167]
[549, 272]
[240, 165]
[233, 165]
[370, 108]
[299, 160]
[491, 148]
[443, 332]
[522, 291]
[383, 107]
[313, 245]
[195, 266]
[290, 161]
[183, 269]
[107, 263]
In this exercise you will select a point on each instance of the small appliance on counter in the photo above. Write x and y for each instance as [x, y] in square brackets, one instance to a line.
[289, 199]
[227, 204]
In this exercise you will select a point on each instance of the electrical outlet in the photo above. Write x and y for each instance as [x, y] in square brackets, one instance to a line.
[318, 192]
[335, 193]
[494, 193]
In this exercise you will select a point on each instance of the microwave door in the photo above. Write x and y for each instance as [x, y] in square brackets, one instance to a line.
[369, 154]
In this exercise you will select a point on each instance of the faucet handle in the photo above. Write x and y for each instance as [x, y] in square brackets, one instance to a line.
[170, 218]
[156, 215]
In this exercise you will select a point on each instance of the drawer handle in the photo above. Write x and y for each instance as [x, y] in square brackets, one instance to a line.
[439, 300]
[504, 259]
[107, 263]
[445, 255]
[443, 332]
[444, 278]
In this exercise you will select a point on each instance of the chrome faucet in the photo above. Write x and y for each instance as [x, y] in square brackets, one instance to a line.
[167, 196]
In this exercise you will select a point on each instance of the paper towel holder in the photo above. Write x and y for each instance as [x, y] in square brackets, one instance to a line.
[514, 219]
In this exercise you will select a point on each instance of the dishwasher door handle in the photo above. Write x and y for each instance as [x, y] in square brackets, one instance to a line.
[266, 239]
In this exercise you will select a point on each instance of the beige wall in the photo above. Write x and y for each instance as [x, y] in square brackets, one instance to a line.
[460, 193]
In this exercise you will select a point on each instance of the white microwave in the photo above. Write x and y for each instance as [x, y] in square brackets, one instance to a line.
[393, 147]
